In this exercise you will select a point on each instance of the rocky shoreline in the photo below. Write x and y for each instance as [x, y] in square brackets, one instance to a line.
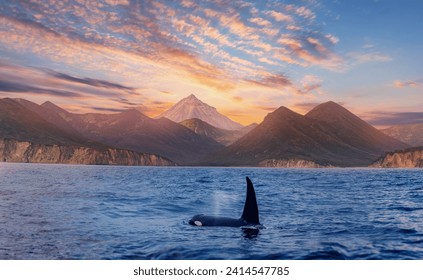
[23, 151]
[409, 158]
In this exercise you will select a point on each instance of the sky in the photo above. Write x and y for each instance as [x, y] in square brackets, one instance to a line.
[244, 57]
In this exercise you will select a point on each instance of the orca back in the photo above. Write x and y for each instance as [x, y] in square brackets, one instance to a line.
[204, 220]
[250, 215]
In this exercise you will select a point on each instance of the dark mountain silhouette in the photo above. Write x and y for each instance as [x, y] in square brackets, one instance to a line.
[328, 135]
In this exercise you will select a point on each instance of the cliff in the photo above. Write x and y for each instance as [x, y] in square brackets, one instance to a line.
[290, 163]
[409, 158]
[23, 151]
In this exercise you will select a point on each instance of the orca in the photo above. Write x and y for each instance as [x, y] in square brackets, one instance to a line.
[249, 217]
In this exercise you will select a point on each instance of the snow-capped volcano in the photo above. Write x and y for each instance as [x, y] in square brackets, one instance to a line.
[191, 107]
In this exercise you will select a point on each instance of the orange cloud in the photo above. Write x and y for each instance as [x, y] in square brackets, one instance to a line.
[305, 12]
[261, 21]
[237, 99]
[117, 2]
[409, 83]
[309, 51]
[268, 61]
[278, 16]
[237, 27]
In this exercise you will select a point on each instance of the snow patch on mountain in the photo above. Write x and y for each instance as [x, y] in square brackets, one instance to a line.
[191, 107]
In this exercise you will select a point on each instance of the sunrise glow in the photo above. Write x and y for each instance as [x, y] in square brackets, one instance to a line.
[246, 58]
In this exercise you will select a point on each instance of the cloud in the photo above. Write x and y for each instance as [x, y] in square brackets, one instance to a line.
[305, 106]
[196, 68]
[266, 108]
[238, 99]
[150, 31]
[237, 27]
[117, 2]
[310, 84]
[293, 27]
[89, 81]
[13, 87]
[268, 61]
[370, 57]
[333, 39]
[273, 81]
[18, 79]
[408, 84]
[260, 21]
[380, 118]
[278, 16]
[107, 109]
[305, 12]
[110, 50]
[309, 50]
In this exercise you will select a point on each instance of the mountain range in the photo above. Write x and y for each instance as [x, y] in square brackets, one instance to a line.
[328, 135]
[132, 130]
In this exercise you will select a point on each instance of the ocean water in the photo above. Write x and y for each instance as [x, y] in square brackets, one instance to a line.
[111, 212]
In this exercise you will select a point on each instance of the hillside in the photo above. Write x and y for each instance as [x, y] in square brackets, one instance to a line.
[412, 134]
[223, 136]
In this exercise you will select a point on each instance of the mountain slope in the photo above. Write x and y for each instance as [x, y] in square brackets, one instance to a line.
[223, 136]
[51, 115]
[191, 107]
[412, 134]
[22, 124]
[322, 137]
[353, 131]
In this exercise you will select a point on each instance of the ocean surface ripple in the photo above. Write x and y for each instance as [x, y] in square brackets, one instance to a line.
[112, 212]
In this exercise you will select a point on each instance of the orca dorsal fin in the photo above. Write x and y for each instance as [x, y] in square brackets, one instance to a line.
[250, 213]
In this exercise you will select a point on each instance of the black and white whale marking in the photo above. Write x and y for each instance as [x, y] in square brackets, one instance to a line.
[249, 217]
